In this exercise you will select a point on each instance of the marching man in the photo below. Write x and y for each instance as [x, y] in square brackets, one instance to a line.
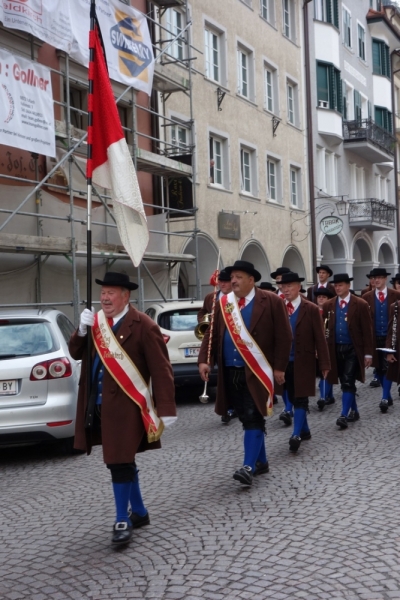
[250, 342]
[308, 339]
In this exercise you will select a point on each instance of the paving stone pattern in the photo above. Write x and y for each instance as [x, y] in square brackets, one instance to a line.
[323, 524]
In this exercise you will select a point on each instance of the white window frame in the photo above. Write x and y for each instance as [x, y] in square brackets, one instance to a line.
[349, 101]
[361, 26]
[210, 52]
[295, 180]
[221, 138]
[267, 11]
[293, 111]
[249, 151]
[178, 47]
[271, 100]
[289, 20]
[245, 72]
[327, 171]
[274, 171]
[179, 125]
[346, 27]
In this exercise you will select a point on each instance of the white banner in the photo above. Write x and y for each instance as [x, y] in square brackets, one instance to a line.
[48, 20]
[26, 105]
[126, 40]
[65, 24]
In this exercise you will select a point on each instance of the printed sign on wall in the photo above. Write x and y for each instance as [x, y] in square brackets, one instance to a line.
[26, 105]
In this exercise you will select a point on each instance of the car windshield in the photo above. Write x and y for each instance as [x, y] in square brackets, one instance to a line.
[25, 338]
[179, 320]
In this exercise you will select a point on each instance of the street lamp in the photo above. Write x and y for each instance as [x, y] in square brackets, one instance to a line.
[342, 207]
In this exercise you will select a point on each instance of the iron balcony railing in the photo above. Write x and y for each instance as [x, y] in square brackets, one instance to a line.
[373, 211]
[367, 130]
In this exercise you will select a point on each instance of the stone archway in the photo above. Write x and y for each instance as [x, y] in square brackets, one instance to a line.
[386, 258]
[253, 252]
[333, 253]
[207, 263]
[363, 263]
[292, 260]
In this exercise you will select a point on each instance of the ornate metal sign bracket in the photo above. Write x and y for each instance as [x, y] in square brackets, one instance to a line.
[221, 96]
[275, 123]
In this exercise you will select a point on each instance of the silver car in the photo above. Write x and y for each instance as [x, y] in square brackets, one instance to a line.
[38, 378]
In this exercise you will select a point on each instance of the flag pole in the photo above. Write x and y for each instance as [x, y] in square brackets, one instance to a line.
[89, 415]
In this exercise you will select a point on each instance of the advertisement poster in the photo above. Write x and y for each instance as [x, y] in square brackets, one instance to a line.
[26, 105]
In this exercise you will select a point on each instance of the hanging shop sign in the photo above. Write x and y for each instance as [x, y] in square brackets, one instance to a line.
[228, 226]
[26, 105]
[331, 225]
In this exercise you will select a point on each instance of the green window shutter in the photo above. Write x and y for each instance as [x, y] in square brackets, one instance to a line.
[376, 57]
[340, 93]
[332, 87]
[387, 60]
[357, 106]
[379, 117]
[389, 121]
[329, 15]
[336, 13]
[322, 82]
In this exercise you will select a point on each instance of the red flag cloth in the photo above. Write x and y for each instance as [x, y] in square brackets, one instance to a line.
[214, 278]
[111, 164]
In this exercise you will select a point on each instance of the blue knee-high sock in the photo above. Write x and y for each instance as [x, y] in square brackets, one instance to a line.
[121, 497]
[354, 403]
[322, 389]
[347, 401]
[298, 420]
[135, 497]
[305, 428]
[288, 404]
[379, 377]
[329, 389]
[262, 455]
[386, 387]
[252, 444]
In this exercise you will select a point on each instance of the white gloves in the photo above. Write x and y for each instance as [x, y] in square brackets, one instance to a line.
[168, 421]
[87, 318]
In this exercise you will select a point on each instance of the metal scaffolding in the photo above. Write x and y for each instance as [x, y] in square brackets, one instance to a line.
[167, 161]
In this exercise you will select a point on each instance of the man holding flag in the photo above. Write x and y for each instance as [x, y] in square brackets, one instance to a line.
[251, 344]
[117, 405]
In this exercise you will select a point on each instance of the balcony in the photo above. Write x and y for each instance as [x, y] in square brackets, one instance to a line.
[371, 213]
[368, 140]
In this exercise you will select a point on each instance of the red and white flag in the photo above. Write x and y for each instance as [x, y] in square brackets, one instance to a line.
[110, 165]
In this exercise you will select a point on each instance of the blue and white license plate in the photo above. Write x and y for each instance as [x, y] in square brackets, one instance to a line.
[8, 388]
[190, 352]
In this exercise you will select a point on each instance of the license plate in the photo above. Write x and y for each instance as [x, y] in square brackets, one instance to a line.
[8, 388]
[192, 352]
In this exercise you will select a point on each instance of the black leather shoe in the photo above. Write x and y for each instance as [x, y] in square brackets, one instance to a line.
[138, 521]
[275, 400]
[285, 417]
[261, 468]
[390, 402]
[294, 443]
[232, 413]
[353, 416]
[375, 383]
[329, 401]
[321, 404]
[122, 533]
[384, 405]
[225, 420]
[244, 475]
[342, 422]
[305, 435]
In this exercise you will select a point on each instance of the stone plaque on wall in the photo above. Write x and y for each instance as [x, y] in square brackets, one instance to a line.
[229, 226]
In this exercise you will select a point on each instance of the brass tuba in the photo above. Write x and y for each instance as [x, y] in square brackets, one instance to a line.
[201, 328]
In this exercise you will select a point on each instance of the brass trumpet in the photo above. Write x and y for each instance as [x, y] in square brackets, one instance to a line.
[201, 328]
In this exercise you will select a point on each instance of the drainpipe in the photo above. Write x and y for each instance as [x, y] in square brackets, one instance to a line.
[396, 187]
[310, 143]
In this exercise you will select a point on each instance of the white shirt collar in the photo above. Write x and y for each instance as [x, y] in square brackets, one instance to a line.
[323, 284]
[296, 303]
[383, 291]
[120, 315]
[347, 299]
[249, 297]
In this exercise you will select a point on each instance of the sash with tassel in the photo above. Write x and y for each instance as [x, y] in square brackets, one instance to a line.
[126, 375]
[247, 347]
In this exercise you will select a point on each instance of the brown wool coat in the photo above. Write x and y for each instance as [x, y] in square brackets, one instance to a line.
[207, 306]
[314, 288]
[360, 326]
[271, 330]
[309, 339]
[123, 434]
[393, 372]
[370, 298]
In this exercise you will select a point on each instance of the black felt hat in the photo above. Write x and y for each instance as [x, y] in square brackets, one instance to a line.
[266, 285]
[341, 278]
[324, 291]
[117, 280]
[224, 276]
[280, 271]
[395, 278]
[247, 267]
[291, 277]
[325, 268]
[378, 272]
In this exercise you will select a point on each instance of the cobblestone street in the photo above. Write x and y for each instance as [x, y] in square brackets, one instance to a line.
[324, 523]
